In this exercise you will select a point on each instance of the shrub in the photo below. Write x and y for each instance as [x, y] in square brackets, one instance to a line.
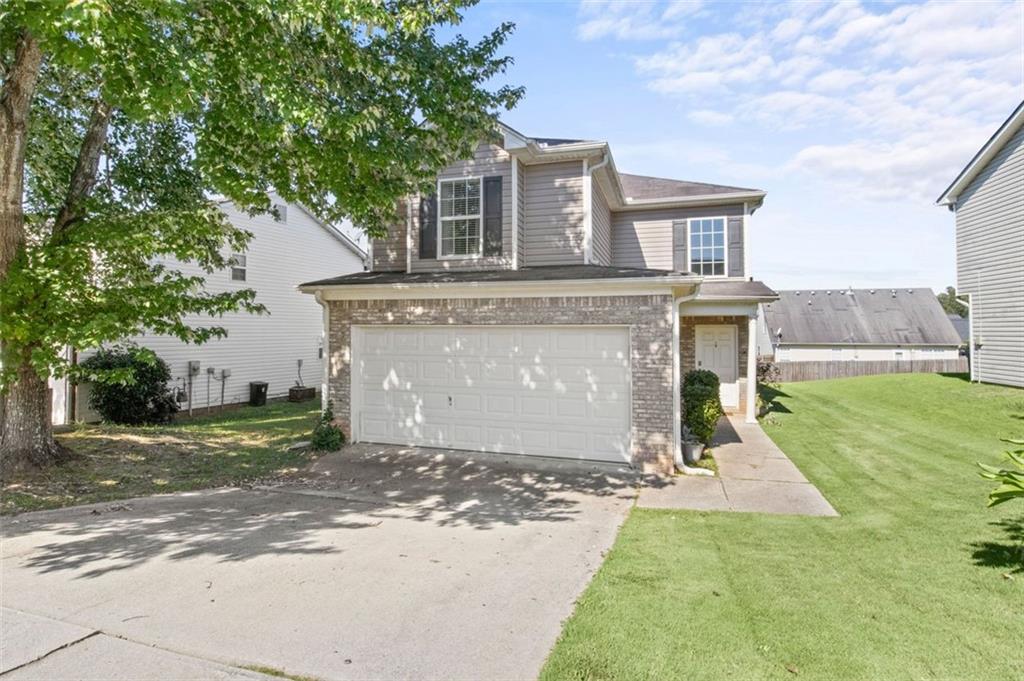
[327, 437]
[130, 386]
[702, 405]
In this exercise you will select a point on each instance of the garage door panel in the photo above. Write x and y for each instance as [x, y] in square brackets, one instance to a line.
[555, 391]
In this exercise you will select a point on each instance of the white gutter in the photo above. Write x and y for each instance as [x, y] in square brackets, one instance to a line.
[624, 282]
[703, 199]
[325, 340]
[970, 336]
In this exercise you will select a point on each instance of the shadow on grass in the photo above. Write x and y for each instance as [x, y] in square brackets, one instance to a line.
[770, 395]
[966, 378]
[1007, 554]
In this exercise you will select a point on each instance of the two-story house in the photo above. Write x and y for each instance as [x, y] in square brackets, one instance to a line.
[540, 302]
[988, 200]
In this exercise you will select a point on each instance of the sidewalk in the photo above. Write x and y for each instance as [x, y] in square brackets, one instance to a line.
[754, 476]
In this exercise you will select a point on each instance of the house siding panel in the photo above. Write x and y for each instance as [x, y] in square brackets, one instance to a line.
[645, 238]
[389, 254]
[553, 228]
[602, 226]
[990, 263]
[488, 160]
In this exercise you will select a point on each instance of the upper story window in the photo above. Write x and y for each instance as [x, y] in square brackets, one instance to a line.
[707, 247]
[460, 217]
[238, 267]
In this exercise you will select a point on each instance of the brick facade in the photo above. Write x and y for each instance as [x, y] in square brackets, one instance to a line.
[688, 347]
[649, 318]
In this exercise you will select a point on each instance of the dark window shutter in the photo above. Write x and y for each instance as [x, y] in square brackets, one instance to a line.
[428, 227]
[492, 215]
[735, 230]
[679, 246]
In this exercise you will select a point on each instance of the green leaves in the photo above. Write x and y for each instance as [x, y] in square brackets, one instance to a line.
[1011, 482]
[344, 106]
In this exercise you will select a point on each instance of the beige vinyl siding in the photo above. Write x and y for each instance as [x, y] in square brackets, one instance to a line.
[553, 227]
[259, 347]
[601, 222]
[389, 254]
[521, 199]
[488, 160]
[644, 238]
[990, 263]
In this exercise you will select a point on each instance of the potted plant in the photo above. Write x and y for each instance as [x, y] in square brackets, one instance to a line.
[702, 407]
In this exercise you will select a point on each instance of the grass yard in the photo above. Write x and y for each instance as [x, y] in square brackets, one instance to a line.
[916, 580]
[117, 462]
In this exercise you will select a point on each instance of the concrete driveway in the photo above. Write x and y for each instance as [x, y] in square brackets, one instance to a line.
[388, 563]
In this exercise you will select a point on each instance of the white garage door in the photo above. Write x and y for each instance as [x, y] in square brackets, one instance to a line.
[545, 391]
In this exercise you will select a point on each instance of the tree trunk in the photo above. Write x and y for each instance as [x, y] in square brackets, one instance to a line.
[26, 438]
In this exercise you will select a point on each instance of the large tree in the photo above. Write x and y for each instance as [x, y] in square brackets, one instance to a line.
[950, 303]
[120, 120]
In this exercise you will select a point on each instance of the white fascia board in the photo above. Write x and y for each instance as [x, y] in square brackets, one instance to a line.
[698, 199]
[520, 289]
[992, 148]
[702, 308]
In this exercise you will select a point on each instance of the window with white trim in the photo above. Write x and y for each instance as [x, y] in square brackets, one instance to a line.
[707, 246]
[461, 213]
[238, 267]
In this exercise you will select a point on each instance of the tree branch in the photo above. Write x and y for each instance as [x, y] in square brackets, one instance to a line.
[83, 179]
[15, 103]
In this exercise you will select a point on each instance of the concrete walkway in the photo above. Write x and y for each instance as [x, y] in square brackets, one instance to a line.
[754, 476]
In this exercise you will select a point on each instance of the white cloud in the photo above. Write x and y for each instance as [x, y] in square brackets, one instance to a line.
[891, 100]
[635, 20]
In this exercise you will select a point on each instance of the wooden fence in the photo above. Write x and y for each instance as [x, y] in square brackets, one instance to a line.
[790, 372]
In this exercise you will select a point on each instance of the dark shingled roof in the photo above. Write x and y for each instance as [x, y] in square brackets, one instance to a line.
[548, 273]
[644, 187]
[860, 317]
[735, 289]
[962, 326]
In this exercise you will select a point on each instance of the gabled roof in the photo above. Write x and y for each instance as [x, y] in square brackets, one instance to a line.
[646, 187]
[859, 317]
[981, 159]
[626, 190]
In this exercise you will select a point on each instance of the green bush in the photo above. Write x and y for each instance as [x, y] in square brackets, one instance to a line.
[1011, 481]
[327, 437]
[702, 405]
[130, 386]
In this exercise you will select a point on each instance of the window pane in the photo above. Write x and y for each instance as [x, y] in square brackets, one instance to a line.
[719, 268]
[719, 239]
[719, 255]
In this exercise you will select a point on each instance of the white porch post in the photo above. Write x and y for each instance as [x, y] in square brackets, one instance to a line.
[677, 415]
[752, 366]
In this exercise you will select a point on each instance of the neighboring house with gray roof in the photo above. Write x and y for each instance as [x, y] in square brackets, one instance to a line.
[539, 302]
[858, 325]
[988, 200]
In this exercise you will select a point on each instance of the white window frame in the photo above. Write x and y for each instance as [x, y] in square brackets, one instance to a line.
[234, 265]
[479, 217]
[725, 245]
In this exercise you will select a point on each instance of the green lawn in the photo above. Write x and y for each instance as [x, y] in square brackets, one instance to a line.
[916, 580]
[117, 462]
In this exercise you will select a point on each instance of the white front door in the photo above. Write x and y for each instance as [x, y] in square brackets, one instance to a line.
[541, 390]
[716, 351]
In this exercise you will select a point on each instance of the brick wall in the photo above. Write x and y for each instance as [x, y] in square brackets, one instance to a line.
[649, 318]
[688, 347]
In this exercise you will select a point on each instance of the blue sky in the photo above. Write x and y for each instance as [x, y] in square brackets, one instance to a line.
[853, 117]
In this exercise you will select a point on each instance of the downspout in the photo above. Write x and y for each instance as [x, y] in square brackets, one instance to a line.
[588, 206]
[677, 407]
[325, 380]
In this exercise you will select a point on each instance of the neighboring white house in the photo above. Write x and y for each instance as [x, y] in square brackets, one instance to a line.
[857, 325]
[988, 200]
[267, 347]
